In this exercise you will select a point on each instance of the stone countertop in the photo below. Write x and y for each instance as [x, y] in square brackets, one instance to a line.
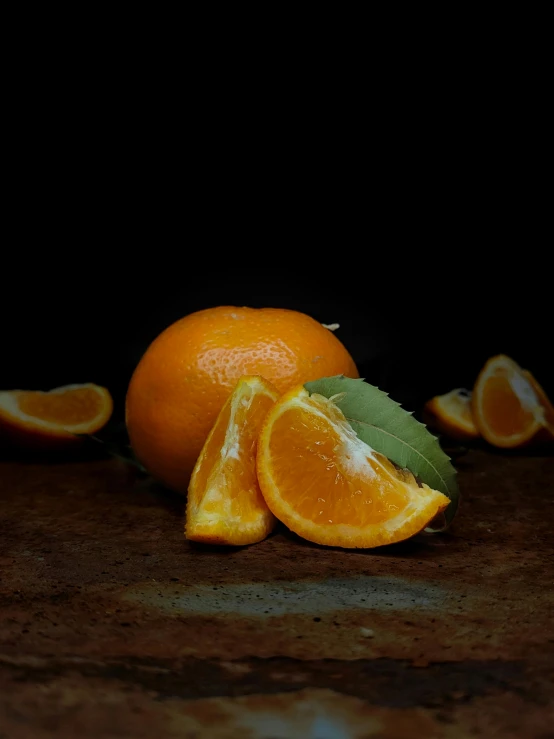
[112, 625]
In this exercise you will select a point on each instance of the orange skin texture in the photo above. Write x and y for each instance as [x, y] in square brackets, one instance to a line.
[188, 372]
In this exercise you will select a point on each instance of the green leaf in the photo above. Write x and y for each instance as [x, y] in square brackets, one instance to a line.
[389, 429]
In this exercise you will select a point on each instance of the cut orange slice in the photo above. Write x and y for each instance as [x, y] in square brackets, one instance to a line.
[225, 504]
[451, 414]
[548, 418]
[509, 406]
[329, 486]
[52, 419]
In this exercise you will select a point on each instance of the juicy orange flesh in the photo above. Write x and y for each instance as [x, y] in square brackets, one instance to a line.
[211, 453]
[502, 409]
[321, 485]
[236, 477]
[65, 409]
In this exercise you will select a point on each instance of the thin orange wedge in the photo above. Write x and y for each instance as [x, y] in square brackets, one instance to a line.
[225, 504]
[548, 418]
[451, 414]
[51, 420]
[510, 408]
[329, 486]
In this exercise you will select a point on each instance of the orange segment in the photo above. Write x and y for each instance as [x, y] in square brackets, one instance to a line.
[329, 486]
[225, 504]
[509, 406]
[49, 419]
[451, 414]
[545, 403]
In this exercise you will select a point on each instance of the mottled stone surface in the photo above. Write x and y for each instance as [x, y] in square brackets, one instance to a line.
[112, 625]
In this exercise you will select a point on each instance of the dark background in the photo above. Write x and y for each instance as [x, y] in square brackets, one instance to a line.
[421, 224]
[418, 319]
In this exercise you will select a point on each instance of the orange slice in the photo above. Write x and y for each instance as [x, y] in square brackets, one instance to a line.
[509, 406]
[51, 419]
[548, 430]
[225, 504]
[451, 414]
[329, 486]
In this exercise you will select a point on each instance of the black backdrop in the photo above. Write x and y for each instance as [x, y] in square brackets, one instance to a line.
[418, 322]
[423, 230]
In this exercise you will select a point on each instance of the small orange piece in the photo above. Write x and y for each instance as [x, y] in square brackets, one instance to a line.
[510, 408]
[548, 431]
[49, 420]
[451, 414]
[188, 372]
[329, 486]
[225, 504]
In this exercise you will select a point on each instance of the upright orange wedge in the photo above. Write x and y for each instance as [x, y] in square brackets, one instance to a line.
[451, 414]
[329, 486]
[548, 408]
[225, 504]
[509, 406]
[51, 420]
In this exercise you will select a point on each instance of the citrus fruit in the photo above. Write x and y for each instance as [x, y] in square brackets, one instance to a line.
[225, 505]
[451, 414]
[188, 372]
[548, 418]
[510, 408]
[329, 486]
[49, 420]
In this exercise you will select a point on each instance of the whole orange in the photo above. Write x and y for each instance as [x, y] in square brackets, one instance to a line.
[190, 369]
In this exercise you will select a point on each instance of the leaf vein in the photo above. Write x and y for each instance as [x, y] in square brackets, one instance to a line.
[381, 430]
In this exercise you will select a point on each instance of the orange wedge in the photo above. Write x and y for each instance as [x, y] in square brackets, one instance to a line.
[329, 486]
[225, 504]
[451, 414]
[510, 408]
[548, 418]
[51, 420]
